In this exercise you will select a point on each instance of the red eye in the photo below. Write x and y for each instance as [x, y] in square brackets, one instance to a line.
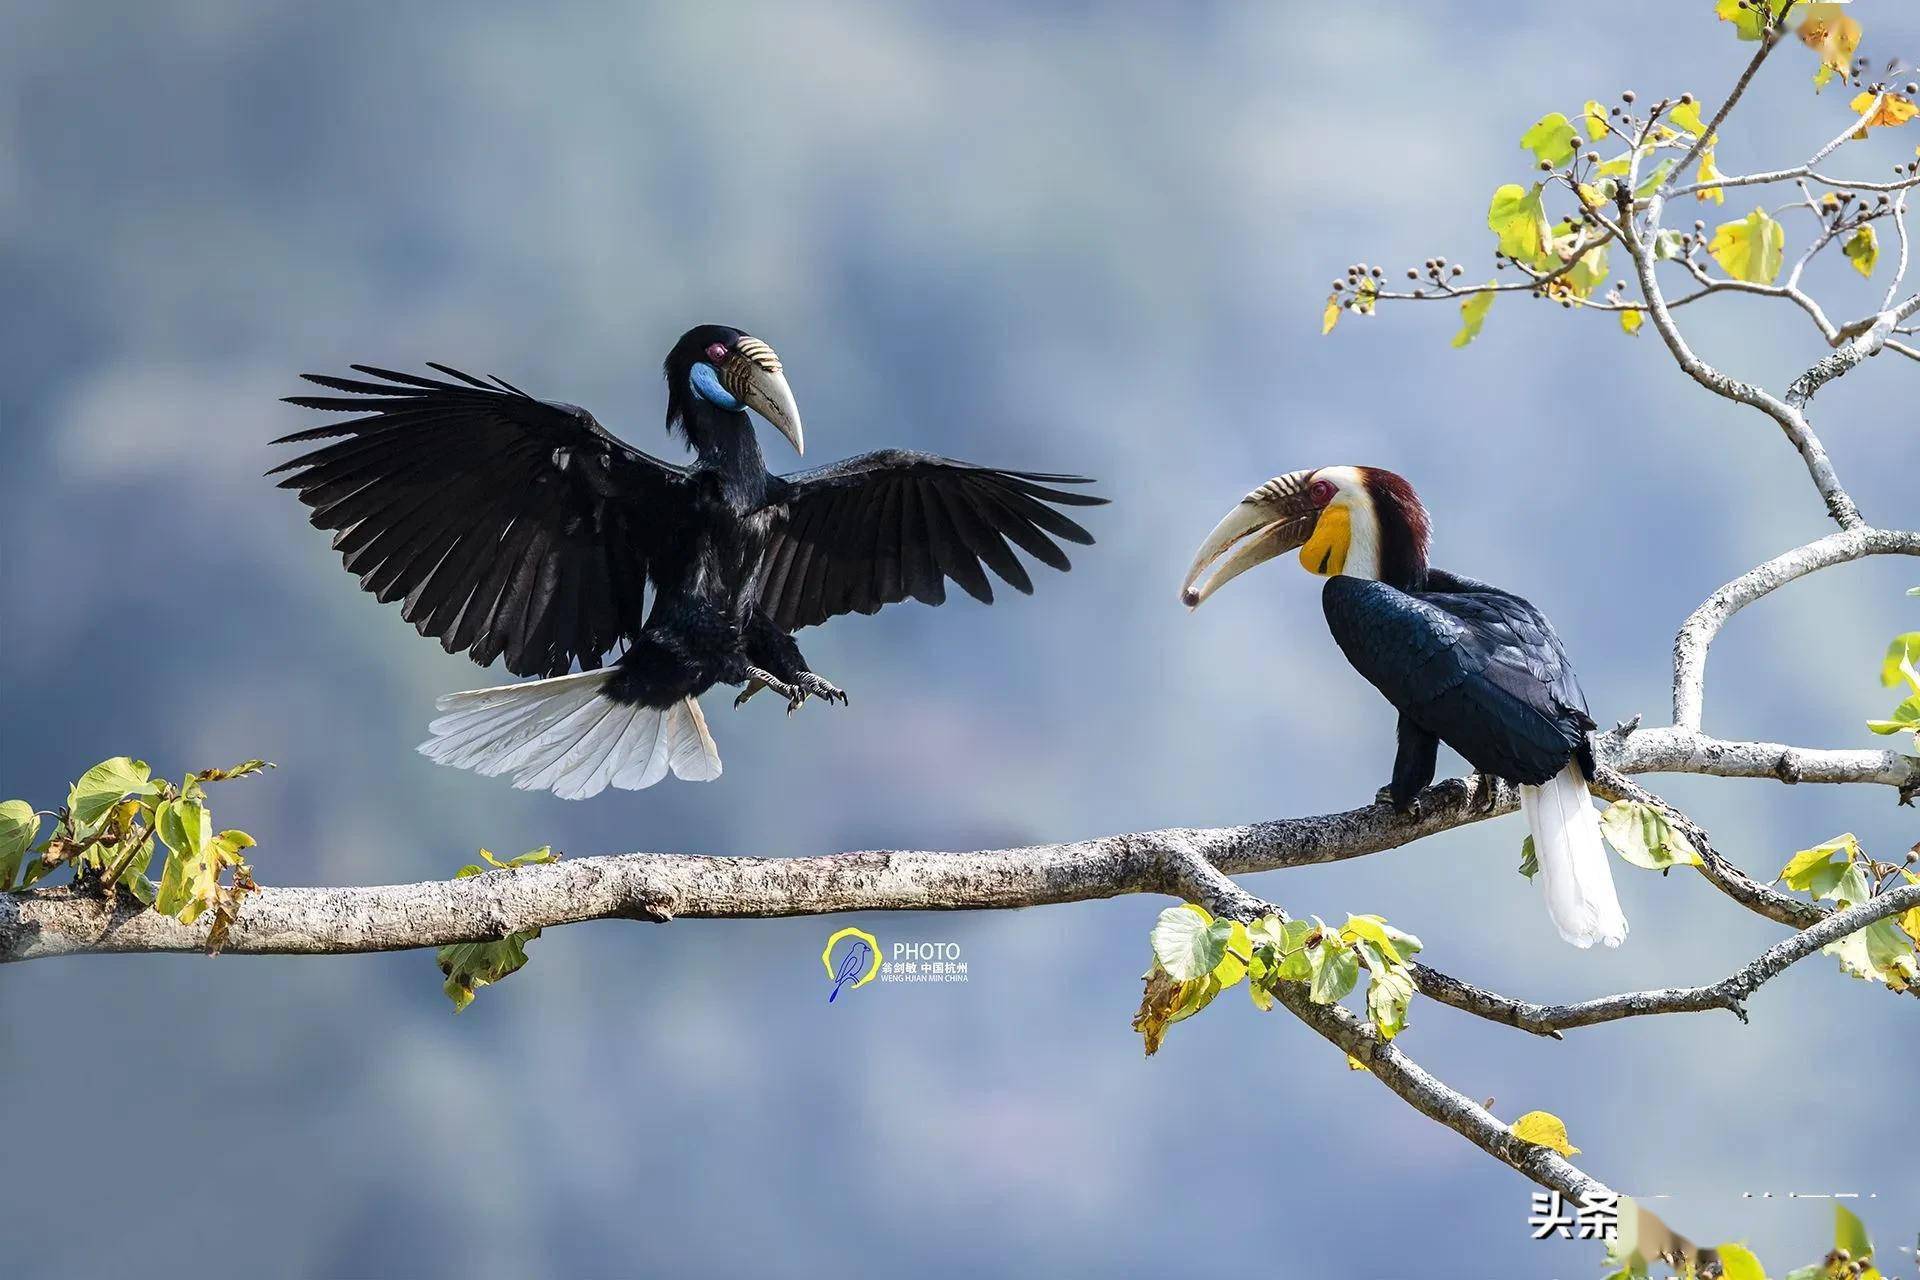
[717, 352]
[1321, 492]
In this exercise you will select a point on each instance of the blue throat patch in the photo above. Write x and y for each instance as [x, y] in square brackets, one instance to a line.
[706, 385]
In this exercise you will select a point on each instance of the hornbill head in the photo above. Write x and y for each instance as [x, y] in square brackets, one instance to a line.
[733, 371]
[1358, 521]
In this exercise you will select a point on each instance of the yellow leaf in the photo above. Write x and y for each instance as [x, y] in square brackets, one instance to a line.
[1863, 250]
[1750, 249]
[1738, 1263]
[1331, 316]
[1519, 217]
[1910, 919]
[1593, 117]
[1544, 1129]
[1687, 116]
[1710, 172]
[1354, 1064]
[1829, 32]
[1473, 315]
[1631, 321]
[1893, 111]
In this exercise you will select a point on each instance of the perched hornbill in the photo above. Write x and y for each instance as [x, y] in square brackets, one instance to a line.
[1465, 663]
[521, 528]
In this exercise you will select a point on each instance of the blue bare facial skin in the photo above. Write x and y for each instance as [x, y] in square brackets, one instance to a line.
[706, 385]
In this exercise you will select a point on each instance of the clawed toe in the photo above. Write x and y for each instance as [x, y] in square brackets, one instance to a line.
[1482, 793]
[1408, 808]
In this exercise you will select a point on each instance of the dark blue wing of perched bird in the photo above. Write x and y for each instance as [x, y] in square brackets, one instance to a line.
[508, 525]
[1476, 666]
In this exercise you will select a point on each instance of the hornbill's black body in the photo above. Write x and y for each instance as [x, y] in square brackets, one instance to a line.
[1464, 663]
[1470, 665]
[521, 529]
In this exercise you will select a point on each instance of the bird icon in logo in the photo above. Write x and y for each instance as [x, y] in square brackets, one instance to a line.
[858, 962]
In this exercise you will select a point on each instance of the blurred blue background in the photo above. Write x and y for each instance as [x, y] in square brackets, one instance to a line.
[1073, 237]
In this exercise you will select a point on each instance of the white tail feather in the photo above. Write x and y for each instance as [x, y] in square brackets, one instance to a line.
[1573, 862]
[567, 736]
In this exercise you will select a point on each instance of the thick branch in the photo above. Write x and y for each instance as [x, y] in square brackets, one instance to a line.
[661, 886]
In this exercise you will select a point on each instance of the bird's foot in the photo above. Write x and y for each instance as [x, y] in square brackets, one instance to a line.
[758, 679]
[1407, 807]
[811, 684]
[1483, 790]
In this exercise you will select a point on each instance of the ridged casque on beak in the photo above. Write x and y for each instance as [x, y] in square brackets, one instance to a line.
[1270, 521]
[754, 377]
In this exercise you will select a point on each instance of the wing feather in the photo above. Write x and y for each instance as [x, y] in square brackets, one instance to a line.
[505, 525]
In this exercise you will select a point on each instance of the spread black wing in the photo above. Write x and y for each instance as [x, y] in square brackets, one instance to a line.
[884, 526]
[1479, 667]
[508, 525]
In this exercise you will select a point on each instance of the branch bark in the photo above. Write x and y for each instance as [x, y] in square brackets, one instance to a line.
[1703, 624]
[662, 886]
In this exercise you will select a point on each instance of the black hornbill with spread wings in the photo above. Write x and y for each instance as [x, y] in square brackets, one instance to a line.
[521, 528]
[1465, 663]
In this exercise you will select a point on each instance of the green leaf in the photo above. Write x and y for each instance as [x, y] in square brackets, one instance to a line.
[1668, 245]
[533, 857]
[1519, 218]
[1816, 870]
[1473, 315]
[1862, 250]
[1529, 860]
[1185, 942]
[1881, 952]
[1899, 664]
[468, 966]
[1853, 888]
[1390, 990]
[244, 769]
[1906, 717]
[1654, 178]
[1295, 964]
[1751, 249]
[19, 827]
[1552, 140]
[1687, 116]
[1335, 967]
[1235, 951]
[192, 871]
[101, 787]
[1850, 1233]
[1749, 22]
[1738, 1263]
[1393, 944]
[1642, 835]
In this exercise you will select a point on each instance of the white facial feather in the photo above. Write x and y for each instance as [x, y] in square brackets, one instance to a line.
[1363, 550]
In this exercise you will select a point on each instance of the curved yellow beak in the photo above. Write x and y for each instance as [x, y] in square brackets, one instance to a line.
[1270, 521]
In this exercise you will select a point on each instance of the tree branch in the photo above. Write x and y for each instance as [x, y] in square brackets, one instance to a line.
[662, 886]
[1730, 993]
[1697, 634]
